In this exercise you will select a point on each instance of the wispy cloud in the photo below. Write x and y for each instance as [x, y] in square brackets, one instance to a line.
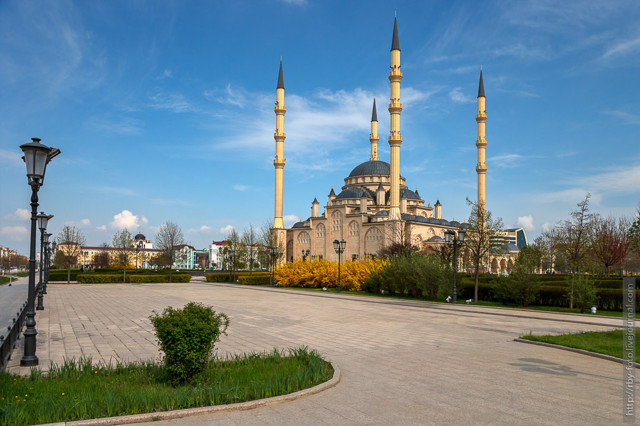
[12, 157]
[116, 190]
[526, 222]
[126, 126]
[296, 2]
[505, 161]
[19, 214]
[456, 95]
[621, 48]
[226, 230]
[241, 187]
[228, 96]
[15, 233]
[289, 220]
[626, 117]
[174, 102]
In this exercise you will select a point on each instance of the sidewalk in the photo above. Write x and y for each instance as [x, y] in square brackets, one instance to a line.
[401, 362]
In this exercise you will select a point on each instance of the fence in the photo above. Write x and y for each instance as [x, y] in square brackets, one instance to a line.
[8, 340]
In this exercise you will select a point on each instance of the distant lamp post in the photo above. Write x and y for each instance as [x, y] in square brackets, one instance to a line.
[231, 260]
[273, 251]
[339, 247]
[36, 158]
[139, 246]
[47, 263]
[451, 236]
[43, 220]
[305, 254]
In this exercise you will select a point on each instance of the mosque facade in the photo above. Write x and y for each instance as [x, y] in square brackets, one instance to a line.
[374, 207]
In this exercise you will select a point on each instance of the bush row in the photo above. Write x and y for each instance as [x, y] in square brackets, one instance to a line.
[255, 278]
[143, 278]
[318, 273]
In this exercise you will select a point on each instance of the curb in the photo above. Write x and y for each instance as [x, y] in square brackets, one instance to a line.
[576, 350]
[188, 412]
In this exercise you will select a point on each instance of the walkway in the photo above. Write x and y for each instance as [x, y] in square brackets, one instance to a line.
[11, 300]
[401, 362]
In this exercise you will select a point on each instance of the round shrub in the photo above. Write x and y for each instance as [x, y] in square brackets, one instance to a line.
[187, 337]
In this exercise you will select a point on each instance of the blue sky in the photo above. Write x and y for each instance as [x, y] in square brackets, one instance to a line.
[164, 110]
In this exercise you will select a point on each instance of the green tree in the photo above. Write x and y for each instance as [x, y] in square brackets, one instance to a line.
[168, 238]
[634, 234]
[481, 238]
[124, 250]
[522, 286]
[610, 243]
[70, 242]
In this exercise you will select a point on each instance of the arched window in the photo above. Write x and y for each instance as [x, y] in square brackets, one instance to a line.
[336, 221]
[373, 235]
[320, 231]
[354, 228]
[303, 238]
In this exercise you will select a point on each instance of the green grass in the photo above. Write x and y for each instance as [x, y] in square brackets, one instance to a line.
[4, 280]
[79, 390]
[602, 342]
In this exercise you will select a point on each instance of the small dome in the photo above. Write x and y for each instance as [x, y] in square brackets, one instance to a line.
[435, 239]
[354, 193]
[139, 237]
[371, 168]
[409, 194]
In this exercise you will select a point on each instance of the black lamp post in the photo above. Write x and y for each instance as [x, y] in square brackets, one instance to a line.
[43, 220]
[305, 254]
[339, 247]
[274, 252]
[451, 236]
[47, 263]
[36, 158]
[231, 259]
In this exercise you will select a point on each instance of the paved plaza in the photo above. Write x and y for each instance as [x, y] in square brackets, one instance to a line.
[402, 362]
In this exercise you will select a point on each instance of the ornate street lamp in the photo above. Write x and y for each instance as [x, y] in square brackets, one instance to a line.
[47, 264]
[451, 236]
[339, 247]
[43, 220]
[305, 254]
[36, 158]
[274, 252]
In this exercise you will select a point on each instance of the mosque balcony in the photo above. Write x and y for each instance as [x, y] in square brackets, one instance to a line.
[280, 110]
[481, 117]
[278, 163]
[481, 142]
[279, 136]
[481, 168]
[395, 75]
[395, 107]
[395, 139]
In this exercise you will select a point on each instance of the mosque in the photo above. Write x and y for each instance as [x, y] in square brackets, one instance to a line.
[375, 207]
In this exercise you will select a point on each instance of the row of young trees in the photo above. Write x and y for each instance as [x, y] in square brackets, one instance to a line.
[250, 249]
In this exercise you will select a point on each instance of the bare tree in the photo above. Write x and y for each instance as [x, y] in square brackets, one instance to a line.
[124, 250]
[267, 239]
[168, 238]
[70, 242]
[102, 259]
[249, 239]
[610, 243]
[482, 237]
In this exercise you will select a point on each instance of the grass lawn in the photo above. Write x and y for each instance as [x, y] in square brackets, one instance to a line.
[602, 342]
[4, 280]
[78, 390]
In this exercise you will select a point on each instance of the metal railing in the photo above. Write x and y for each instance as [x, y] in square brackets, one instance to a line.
[8, 340]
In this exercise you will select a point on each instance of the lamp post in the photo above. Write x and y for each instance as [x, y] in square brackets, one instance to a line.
[305, 254]
[451, 236]
[47, 263]
[339, 247]
[231, 259]
[274, 252]
[139, 245]
[36, 158]
[43, 220]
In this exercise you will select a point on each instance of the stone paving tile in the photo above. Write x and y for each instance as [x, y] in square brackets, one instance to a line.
[402, 362]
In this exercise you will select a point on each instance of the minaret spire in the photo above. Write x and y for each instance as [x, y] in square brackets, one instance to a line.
[373, 136]
[395, 140]
[481, 144]
[278, 162]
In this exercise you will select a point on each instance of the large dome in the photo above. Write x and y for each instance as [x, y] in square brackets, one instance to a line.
[371, 168]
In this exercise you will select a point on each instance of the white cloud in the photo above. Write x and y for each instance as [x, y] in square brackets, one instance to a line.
[205, 228]
[505, 161]
[102, 228]
[241, 187]
[289, 220]
[10, 157]
[622, 48]
[126, 126]
[85, 222]
[19, 214]
[626, 117]
[456, 95]
[227, 229]
[526, 222]
[236, 97]
[174, 102]
[15, 233]
[296, 2]
[126, 219]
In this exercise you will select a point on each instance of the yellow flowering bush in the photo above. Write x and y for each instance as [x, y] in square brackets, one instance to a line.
[319, 273]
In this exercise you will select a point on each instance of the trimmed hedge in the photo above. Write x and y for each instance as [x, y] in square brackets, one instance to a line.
[92, 278]
[254, 280]
[61, 274]
[223, 277]
[217, 277]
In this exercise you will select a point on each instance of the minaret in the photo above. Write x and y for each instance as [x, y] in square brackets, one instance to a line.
[373, 137]
[279, 137]
[395, 108]
[481, 143]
